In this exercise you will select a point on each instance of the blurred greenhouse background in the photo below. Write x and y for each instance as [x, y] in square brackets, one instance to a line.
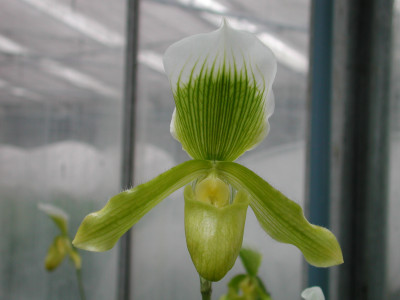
[61, 78]
[62, 68]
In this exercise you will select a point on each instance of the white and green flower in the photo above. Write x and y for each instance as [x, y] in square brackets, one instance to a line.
[222, 85]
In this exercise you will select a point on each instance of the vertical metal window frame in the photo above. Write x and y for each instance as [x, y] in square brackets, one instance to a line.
[128, 139]
[357, 174]
[318, 161]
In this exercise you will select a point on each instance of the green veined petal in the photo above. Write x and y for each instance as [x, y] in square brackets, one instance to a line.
[100, 230]
[221, 83]
[282, 218]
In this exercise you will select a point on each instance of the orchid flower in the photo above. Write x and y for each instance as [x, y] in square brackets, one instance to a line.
[61, 246]
[222, 85]
[247, 286]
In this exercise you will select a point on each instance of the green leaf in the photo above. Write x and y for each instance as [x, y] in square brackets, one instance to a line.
[214, 235]
[251, 260]
[59, 217]
[100, 230]
[282, 218]
[222, 85]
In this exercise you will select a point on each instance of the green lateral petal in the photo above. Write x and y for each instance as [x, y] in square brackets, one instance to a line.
[76, 259]
[221, 83]
[100, 230]
[251, 260]
[282, 218]
[59, 217]
[263, 289]
[214, 235]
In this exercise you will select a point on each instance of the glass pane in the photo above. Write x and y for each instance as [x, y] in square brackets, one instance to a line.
[61, 78]
[162, 268]
[393, 258]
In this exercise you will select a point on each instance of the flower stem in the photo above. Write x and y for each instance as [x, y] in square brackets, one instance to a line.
[205, 289]
[80, 284]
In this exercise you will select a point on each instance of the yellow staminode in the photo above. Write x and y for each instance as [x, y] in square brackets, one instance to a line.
[213, 191]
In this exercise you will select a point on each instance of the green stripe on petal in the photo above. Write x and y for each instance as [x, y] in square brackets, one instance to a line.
[282, 218]
[100, 230]
[221, 83]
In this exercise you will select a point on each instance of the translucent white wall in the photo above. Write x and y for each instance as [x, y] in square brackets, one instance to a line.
[61, 78]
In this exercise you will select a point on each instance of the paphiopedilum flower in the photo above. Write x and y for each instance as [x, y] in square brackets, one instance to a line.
[222, 85]
[61, 247]
[248, 286]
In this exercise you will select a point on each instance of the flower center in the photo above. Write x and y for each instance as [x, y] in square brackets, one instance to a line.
[213, 191]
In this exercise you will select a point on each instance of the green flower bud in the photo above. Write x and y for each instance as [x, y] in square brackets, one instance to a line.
[214, 228]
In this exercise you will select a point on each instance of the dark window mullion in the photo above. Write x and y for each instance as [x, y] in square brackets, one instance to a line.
[362, 43]
[128, 139]
[319, 116]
